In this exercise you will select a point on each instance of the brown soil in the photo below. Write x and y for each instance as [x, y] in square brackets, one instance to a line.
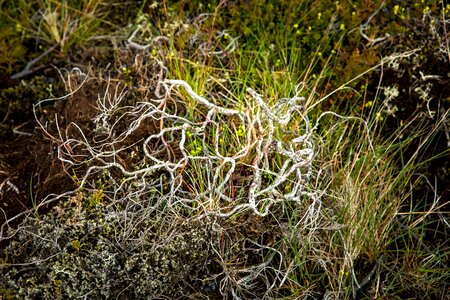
[30, 168]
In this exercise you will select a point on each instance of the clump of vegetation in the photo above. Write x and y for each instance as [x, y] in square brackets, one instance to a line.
[85, 247]
[212, 160]
[64, 23]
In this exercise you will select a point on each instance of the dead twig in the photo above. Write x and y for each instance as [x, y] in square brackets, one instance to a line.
[27, 70]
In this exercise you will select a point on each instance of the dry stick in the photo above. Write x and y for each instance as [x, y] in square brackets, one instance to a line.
[364, 26]
[445, 33]
[368, 277]
[446, 130]
[216, 11]
[27, 70]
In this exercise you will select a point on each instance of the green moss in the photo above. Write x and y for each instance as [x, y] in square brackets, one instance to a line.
[16, 101]
[12, 51]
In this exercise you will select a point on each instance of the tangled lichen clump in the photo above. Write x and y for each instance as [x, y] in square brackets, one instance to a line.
[79, 250]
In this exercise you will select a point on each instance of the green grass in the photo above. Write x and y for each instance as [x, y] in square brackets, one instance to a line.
[265, 164]
[65, 23]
